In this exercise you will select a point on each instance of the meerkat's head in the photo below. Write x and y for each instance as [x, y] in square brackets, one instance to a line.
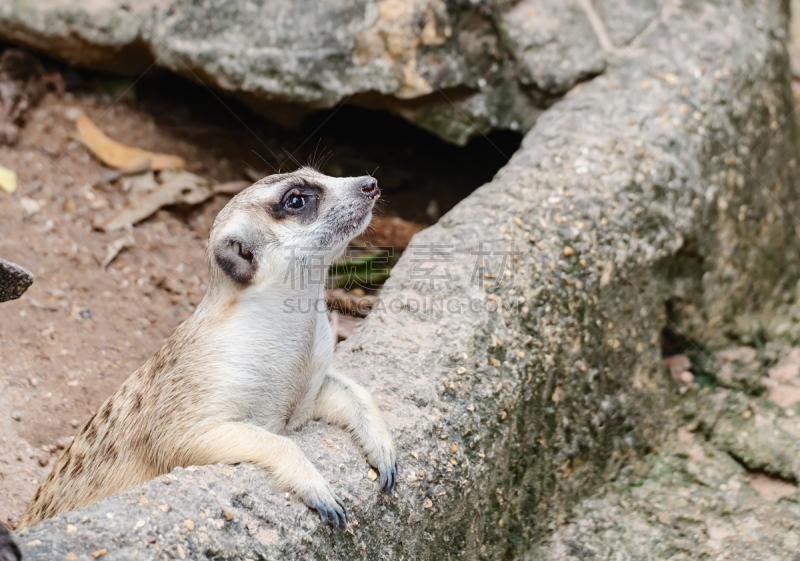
[285, 220]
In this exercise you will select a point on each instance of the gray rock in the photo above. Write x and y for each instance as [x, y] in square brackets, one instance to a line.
[689, 501]
[760, 436]
[718, 489]
[8, 549]
[14, 280]
[458, 69]
[512, 395]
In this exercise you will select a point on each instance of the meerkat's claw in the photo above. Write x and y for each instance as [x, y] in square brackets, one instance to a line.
[336, 514]
[388, 476]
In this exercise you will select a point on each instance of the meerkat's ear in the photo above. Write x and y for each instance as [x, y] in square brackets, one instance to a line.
[235, 255]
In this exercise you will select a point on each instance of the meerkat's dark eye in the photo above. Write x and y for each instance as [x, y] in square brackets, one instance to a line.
[298, 202]
[295, 201]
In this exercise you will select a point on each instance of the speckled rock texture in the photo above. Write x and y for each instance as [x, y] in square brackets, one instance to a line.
[14, 280]
[722, 486]
[457, 68]
[688, 502]
[518, 364]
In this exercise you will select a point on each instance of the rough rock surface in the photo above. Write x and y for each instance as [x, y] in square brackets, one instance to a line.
[662, 193]
[456, 68]
[8, 549]
[14, 280]
[723, 486]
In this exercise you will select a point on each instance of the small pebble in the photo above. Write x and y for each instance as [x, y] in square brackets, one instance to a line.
[75, 423]
[99, 553]
[189, 525]
[17, 415]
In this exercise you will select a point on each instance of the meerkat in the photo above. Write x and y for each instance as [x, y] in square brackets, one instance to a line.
[241, 372]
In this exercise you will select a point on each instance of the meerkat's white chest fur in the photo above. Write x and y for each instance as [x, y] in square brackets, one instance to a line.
[272, 366]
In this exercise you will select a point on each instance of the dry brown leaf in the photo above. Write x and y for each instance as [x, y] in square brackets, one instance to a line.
[178, 187]
[114, 248]
[348, 303]
[342, 325]
[8, 180]
[391, 231]
[231, 187]
[124, 172]
[116, 154]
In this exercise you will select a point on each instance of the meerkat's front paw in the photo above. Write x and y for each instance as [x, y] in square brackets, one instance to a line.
[330, 507]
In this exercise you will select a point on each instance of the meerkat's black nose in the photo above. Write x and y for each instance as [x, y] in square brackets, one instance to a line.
[370, 188]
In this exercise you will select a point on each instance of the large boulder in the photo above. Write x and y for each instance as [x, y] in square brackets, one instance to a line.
[458, 68]
[518, 365]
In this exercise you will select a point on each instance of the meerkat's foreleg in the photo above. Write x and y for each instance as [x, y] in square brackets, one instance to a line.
[344, 403]
[232, 443]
